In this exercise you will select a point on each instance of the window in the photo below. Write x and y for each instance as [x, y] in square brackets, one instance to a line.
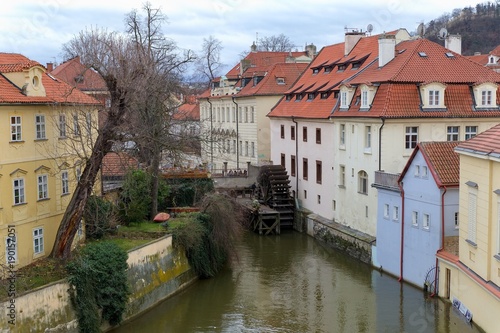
[15, 128]
[234, 114]
[292, 165]
[368, 138]
[38, 240]
[304, 134]
[343, 99]
[319, 171]
[426, 221]
[246, 114]
[386, 211]
[411, 137]
[305, 194]
[62, 125]
[240, 118]
[78, 174]
[43, 184]
[433, 97]
[318, 135]
[18, 185]
[310, 96]
[282, 131]
[486, 98]
[289, 97]
[457, 222]
[453, 133]
[425, 171]
[76, 125]
[246, 148]
[252, 115]
[283, 158]
[319, 199]
[470, 132]
[414, 219]
[64, 182]
[342, 176]
[228, 115]
[364, 99]
[324, 95]
[362, 182]
[342, 134]
[241, 148]
[40, 126]
[292, 132]
[395, 213]
[472, 217]
[304, 168]
[280, 80]
[417, 170]
[234, 147]
[253, 149]
[315, 70]
[299, 97]
[88, 121]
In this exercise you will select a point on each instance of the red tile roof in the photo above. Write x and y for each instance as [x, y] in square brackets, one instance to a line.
[117, 164]
[74, 73]
[56, 91]
[485, 143]
[188, 111]
[443, 162]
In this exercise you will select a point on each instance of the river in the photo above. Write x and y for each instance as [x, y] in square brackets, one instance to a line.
[292, 283]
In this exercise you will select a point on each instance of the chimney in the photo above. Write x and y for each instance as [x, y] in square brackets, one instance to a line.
[351, 38]
[50, 67]
[386, 49]
[477, 53]
[311, 50]
[454, 43]
[253, 47]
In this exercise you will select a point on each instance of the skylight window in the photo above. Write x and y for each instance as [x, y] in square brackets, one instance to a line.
[422, 54]
[450, 55]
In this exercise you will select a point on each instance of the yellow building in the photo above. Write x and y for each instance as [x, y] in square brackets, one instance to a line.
[472, 280]
[47, 127]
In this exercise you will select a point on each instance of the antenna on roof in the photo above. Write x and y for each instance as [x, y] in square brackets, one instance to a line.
[369, 28]
[443, 33]
[421, 29]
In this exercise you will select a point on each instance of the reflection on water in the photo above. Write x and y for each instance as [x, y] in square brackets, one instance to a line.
[291, 283]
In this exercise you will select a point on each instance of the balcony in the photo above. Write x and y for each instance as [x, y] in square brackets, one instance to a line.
[386, 180]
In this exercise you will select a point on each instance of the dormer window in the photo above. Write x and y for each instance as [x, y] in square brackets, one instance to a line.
[343, 99]
[280, 80]
[492, 60]
[299, 97]
[79, 79]
[315, 70]
[367, 94]
[310, 96]
[328, 69]
[356, 65]
[288, 97]
[346, 95]
[485, 95]
[364, 98]
[433, 96]
[341, 68]
[324, 95]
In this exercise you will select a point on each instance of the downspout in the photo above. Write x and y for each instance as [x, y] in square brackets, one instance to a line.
[296, 159]
[400, 184]
[380, 145]
[442, 239]
[237, 136]
[211, 137]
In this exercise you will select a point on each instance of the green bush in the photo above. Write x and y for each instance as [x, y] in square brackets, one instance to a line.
[135, 198]
[98, 281]
[189, 191]
[98, 216]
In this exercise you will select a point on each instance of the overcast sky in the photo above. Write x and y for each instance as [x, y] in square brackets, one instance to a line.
[39, 28]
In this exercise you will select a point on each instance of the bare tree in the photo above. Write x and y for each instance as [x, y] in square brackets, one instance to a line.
[129, 64]
[208, 64]
[280, 43]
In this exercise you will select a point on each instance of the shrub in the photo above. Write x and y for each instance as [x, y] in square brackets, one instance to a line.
[98, 216]
[189, 191]
[135, 199]
[98, 281]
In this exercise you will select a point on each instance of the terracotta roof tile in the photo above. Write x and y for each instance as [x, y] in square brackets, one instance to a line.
[188, 111]
[442, 160]
[14, 62]
[117, 164]
[485, 143]
[74, 73]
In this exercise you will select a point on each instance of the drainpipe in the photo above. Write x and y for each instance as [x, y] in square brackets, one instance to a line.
[211, 137]
[296, 158]
[380, 145]
[442, 238]
[237, 136]
[400, 184]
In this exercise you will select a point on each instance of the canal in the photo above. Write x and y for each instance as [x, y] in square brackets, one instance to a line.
[291, 283]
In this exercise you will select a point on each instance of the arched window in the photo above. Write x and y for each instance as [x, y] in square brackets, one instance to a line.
[362, 182]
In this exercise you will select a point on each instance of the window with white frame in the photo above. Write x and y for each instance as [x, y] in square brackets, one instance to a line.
[78, 174]
[76, 125]
[40, 126]
[342, 135]
[253, 148]
[18, 186]
[234, 147]
[252, 114]
[342, 176]
[417, 170]
[38, 240]
[414, 219]
[472, 220]
[470, 132]
[64, 182]
[434, 97]
[246, 148]
[368, 138]
[424, 171]
[411, 137]
[485, 95]
[364, 99]
[88, 121]
[395, 213]
[386, 211]
[363, 182]
[426, 221]
[43, 187]
[486, 98]
[343, 99]
[453, 133]
[15, 128]
[62, 125]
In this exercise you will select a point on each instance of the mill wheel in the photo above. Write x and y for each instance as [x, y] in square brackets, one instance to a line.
[274, 191]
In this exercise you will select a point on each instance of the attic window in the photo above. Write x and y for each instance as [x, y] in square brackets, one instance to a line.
[341, 67]
[280, 80]
[324, 95]
[288, 97]
[356, 65]
[310, 96]
[401, 51]
[299, 97]
[328, 69]
[450, 55]
[422, 54]
[492, 60]
[315, 70]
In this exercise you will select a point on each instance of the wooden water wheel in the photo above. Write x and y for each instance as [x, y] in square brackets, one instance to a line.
[273, 190]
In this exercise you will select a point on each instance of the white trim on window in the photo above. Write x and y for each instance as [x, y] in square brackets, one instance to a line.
[38, 246]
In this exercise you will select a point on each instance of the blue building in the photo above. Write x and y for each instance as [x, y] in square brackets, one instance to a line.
[418, 213]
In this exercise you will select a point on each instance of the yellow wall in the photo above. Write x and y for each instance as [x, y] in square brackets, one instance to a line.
[30, 158]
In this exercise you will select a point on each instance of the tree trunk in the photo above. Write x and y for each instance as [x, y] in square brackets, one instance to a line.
[155, 172]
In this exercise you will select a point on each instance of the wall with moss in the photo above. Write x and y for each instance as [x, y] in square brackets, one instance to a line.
[156, 271]
[355, 243]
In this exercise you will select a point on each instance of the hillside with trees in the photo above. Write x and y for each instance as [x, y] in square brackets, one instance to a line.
[479, 27]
